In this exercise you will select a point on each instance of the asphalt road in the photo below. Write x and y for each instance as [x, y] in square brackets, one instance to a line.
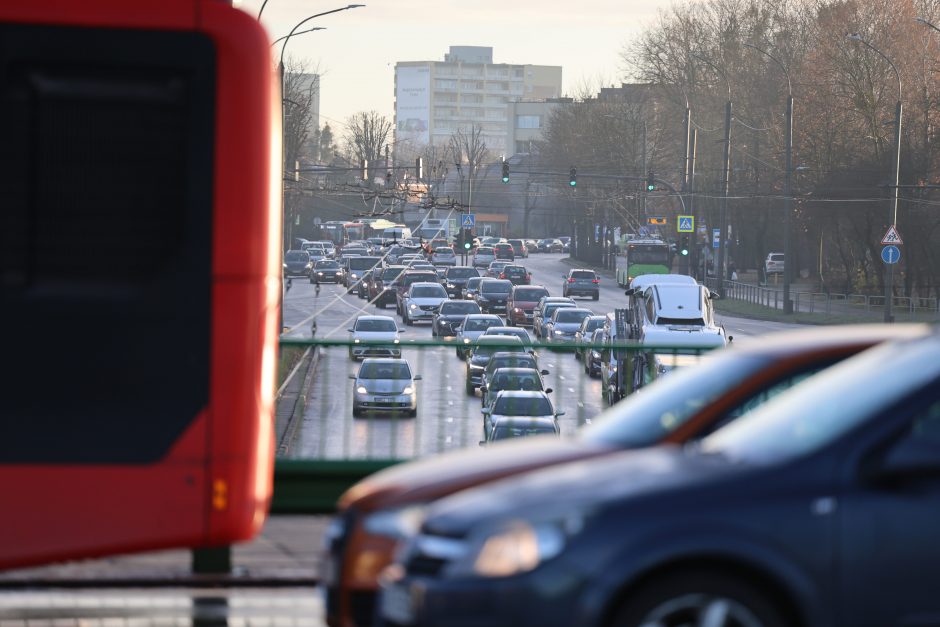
[447, 417]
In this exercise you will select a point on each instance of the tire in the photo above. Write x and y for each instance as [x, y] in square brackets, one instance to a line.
[356, 412]
[471, 390]
[596, 296]
[407, 319]
[412, 412]
[685, 597]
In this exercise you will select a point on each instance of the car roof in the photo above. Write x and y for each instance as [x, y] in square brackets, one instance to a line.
[501, 340]
[358, 318]
[483, 316]
[426, 284]
[645, 280]
[384, 360]
[522, 394]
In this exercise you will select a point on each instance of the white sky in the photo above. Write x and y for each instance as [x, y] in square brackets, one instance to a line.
[357, 53]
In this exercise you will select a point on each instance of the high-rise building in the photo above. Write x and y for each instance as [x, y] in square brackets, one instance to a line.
[434, 99]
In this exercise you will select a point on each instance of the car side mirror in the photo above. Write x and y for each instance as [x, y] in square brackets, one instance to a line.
[350, 330]
[482, 442]
[629, 292]
[543, 371]
[548, 390]
[911, 457]
[486, 411]
[560, 413]
[417, 377]
[483, 388]
[352, 376]
[714, 296]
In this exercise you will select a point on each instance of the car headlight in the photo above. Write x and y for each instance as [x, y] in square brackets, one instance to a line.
[319, 274]
[356, 341]
[308, 266]
[451, 285]
[408, 390]
[355, 276]
[396, 341]
[395, 523]
[413, 306]
[362, 390]
[519, 547]
[466, 340]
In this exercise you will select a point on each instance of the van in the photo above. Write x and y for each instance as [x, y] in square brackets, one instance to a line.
[396, 233]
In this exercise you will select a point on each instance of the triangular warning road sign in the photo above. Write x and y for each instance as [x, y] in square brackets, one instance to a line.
[891, 237]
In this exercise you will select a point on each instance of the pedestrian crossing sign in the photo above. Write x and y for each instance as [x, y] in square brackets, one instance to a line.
[467, 221]
[892, 237]
[686, 224]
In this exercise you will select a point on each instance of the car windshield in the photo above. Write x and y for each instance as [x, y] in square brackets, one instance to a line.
[506, 432]
[458, 307]
[525, 406]
[528, 382]
[487, 350]
[363, 263]
[529, 295]
[480, 324]
[376, 326]
[571, 316]
[520, 360]
[327, 265]
[390, 274]
[297, 255]
[593, 325]
[418, 278]
[515, 332]
[428, 291]
[813, 414]
[474, 282]
[551, 307]
[496, 287]
[461, 273]
[385, 370]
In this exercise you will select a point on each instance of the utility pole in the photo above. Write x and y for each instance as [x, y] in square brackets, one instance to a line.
[696, 246]
[723, 212]
[643, 172]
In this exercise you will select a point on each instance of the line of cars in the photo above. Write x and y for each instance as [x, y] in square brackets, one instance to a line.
[789, 482]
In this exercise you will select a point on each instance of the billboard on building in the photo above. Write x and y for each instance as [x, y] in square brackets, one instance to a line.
[412, 103]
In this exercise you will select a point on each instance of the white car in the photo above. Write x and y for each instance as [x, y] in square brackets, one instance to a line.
[421, 301]
[774, 264]
[483, 257]
[374, 336]
[444, 256]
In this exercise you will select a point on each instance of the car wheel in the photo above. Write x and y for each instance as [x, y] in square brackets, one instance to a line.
[597, 295]
[471, 391]
[356, 412]
[699, 597]
[408, 320]
[413, 412]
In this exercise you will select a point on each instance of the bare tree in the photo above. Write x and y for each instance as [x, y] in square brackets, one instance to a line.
[367, 135]
[301, 89]
[468, 148]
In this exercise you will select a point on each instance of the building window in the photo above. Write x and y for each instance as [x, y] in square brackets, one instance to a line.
[445, 84]
[528, 121]
[523, 147]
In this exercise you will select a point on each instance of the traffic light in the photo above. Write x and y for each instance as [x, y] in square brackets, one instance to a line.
[684, 246]
[573, 177]
[466, 238]
[505, 171]
[650, 182]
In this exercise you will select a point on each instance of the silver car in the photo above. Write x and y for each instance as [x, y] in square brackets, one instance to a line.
[483, 257]
[374, 336]
[534, 405]
[385, 384]
[565, 323]
[422, 301]
[444, 256]
[472, 327]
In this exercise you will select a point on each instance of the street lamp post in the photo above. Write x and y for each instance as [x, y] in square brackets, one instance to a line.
[723, 211]
[788, 181]
[293, 31]
[898, 111]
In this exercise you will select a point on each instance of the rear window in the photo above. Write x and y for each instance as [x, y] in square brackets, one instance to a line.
[496, 287]
[514, 406]
[776, 257]
[531, 295]
[484, 250]
[583, 274]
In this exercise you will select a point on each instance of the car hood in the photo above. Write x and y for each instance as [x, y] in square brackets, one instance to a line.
[572, 487]
[376, 386]
[433, 477]
[377, 336]
[524, 304]
[567, 327]
[437, 300]
[451, 317]
[297, 264]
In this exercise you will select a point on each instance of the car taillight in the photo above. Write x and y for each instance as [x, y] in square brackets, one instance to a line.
[595, 281]
[502, 275]
[570, 280]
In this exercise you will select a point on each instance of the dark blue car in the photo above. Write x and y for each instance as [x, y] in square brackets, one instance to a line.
[819, 508]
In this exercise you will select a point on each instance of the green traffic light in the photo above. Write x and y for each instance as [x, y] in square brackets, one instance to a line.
[572, 183]
[505, 179]
[684, 252]
[651, 188]
[467, 245]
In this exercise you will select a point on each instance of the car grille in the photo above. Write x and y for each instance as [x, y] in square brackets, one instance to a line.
[428, 307]
[425, 565]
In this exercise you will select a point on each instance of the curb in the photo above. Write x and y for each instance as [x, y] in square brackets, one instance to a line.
[311, 360]
[168, 581]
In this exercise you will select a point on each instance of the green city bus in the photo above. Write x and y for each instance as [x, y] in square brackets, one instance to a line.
[642, 256]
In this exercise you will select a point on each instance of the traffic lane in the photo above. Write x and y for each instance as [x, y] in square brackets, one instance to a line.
[447, 417]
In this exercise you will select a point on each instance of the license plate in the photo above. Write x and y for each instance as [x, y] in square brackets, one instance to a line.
[396, 604]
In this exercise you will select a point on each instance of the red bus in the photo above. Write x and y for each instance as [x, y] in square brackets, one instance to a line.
[140, 267]
[341, 233]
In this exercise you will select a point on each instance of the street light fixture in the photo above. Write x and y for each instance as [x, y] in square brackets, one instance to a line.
[898, 111]
[303, 32]
[723, 213]
[307, 19]
[787, 256]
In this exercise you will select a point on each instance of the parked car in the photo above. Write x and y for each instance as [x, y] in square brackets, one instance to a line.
[675, 409]
[518, 403]
[374, 336]
[444, 256]
[327, 271]
[774, 264]
[472, 327]
[563, 326]
[385, 384]
[297, 263]
[493, 295]
[522, 302]
[495, 269]
[591, 355]
[422, 301]
[517, 275]
[550, 245]
[480, 353]
[581, 282]
[455, 279]
[584, 336]
[483, 257]
[543, 312]
[504, 251]
[519, 248]
[472, 288]
[772, 518]
[450, 315]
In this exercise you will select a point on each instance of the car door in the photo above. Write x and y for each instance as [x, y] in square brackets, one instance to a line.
[889, 561]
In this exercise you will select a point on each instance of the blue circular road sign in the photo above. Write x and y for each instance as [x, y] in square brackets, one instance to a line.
[890, 254]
